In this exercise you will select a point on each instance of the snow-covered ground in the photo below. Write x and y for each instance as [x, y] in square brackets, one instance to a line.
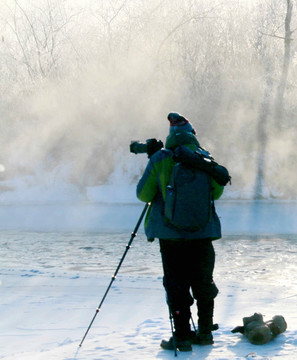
[58, 259]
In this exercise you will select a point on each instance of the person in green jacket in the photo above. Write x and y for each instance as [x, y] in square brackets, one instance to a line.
[188, 257]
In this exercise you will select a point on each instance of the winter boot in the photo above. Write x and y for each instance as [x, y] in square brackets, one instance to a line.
[180, 343]
[181, 336]
[202, 339]
[205, 323]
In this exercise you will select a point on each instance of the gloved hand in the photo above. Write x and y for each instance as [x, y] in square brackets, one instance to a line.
[153, 145]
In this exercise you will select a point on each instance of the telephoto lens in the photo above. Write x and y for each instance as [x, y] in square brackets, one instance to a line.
[149, 147]
[137, 147]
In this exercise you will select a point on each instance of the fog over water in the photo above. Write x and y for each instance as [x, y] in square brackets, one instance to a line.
[81, 80]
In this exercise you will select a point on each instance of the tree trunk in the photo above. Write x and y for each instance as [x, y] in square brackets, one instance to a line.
[279, 106]
[264, 114]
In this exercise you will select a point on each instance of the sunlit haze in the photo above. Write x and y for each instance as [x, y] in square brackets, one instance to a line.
[80, 80]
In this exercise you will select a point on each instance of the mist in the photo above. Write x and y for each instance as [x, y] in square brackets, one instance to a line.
[80, 80]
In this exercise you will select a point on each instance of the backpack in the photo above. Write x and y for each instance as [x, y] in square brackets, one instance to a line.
[188, 199]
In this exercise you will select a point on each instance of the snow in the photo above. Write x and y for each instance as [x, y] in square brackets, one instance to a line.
[54, 273]
[46, 316]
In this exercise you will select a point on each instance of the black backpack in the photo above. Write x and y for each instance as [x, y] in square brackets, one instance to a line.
[189, 199]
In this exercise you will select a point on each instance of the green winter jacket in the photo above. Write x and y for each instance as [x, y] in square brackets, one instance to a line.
[152, 188]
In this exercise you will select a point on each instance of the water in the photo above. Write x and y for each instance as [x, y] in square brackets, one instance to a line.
[77, 251]
[250, 258]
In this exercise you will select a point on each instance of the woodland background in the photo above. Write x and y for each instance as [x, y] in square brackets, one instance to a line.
[80, 79]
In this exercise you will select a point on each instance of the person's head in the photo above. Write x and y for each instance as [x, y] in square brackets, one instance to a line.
[179, 123]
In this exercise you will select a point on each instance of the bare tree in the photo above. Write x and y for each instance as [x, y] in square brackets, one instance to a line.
[279, 99]
[38, 37]
[265, 113]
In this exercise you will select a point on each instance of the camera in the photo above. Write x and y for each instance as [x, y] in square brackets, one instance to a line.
[149, 147]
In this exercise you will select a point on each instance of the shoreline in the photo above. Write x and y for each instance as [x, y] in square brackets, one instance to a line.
[237, 216]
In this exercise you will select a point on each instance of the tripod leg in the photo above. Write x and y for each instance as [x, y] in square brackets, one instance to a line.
[134, 233]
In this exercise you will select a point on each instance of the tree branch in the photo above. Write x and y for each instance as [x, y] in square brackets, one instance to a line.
[277, 36]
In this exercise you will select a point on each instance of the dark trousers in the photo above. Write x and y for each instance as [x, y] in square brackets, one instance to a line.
[188, 265]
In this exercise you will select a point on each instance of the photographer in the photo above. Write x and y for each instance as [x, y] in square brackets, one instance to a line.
[187, 256]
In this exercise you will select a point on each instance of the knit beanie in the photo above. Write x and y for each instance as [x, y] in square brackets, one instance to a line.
[179, 123]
